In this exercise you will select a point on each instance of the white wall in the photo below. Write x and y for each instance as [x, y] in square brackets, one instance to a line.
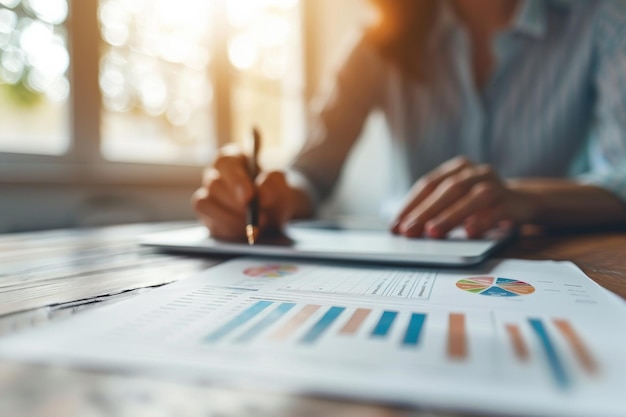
[24, 208]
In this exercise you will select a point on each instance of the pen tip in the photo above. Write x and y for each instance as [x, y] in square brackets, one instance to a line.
[252, 233]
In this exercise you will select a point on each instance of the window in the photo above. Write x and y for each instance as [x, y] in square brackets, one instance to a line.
[116, 83]
[154, 80]
[267, 86]
[34, 87]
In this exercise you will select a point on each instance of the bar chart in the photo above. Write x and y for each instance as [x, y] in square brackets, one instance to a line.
[302, 326]
[553, 344]
[264, 319]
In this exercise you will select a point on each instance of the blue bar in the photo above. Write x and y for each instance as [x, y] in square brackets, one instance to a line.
[237, 321]
[414, 331]
[324, 323]
[266, 322]
[553, 358]
[384, 324]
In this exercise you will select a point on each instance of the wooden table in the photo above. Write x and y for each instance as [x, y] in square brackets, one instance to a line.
[27, 390]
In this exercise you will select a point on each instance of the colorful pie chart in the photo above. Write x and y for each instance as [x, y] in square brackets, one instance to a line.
[270, 271]
[495, 286]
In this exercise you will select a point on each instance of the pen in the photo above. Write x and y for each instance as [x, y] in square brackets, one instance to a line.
[252, 221]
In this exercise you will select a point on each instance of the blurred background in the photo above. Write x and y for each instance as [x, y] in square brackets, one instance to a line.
[109, 109]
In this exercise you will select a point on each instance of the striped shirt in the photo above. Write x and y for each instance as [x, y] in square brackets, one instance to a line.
[554, 107]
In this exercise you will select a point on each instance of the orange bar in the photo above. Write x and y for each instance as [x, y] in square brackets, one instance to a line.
[457, 343]
[292, 325]
[521, 350]
[355, 321]
[580, 350]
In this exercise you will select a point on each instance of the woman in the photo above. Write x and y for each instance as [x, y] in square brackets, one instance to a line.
[503, 111]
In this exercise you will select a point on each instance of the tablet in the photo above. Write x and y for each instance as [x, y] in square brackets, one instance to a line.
[332, 241]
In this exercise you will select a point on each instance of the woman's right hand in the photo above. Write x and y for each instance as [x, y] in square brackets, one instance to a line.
[222, 201]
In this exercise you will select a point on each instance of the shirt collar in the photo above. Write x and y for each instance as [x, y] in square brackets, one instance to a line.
[531, 18]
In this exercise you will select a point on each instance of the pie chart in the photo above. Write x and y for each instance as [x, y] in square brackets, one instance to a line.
[495, 286]
[270, 271]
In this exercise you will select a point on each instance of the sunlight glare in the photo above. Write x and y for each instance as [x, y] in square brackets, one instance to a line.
[174, 14]
[8, 20]
[12, 65]
[243, 51]
[115, 24]
[51, 11]
[271, 30]
[9, 3]
[276, 67]
[153, 95]
[242, 13]
[281, 4]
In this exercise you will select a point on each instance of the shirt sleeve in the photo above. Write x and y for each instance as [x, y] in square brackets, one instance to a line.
[607, 149]
[338, 116]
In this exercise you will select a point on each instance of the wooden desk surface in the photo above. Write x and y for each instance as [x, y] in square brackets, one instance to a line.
[27, 390]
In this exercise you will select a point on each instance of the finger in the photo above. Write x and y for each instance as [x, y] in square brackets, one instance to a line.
[263, 221]
[449, 191]
[210, 207]
[485, 220]
[481, 196]
[221, 222]
[222, 193]
[470, 221]
[427, 184]
[230, 149]
[234, 171]
[199, 195]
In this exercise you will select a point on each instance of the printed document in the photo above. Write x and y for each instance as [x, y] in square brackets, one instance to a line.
[511, 337]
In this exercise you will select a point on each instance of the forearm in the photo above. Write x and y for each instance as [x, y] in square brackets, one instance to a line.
[563, 203]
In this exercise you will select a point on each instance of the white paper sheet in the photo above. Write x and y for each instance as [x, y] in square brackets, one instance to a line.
[513, 337]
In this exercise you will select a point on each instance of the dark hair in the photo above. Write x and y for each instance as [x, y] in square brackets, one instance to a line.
[401, 34]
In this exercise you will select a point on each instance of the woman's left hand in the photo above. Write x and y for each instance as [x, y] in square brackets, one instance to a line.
[460, 193]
